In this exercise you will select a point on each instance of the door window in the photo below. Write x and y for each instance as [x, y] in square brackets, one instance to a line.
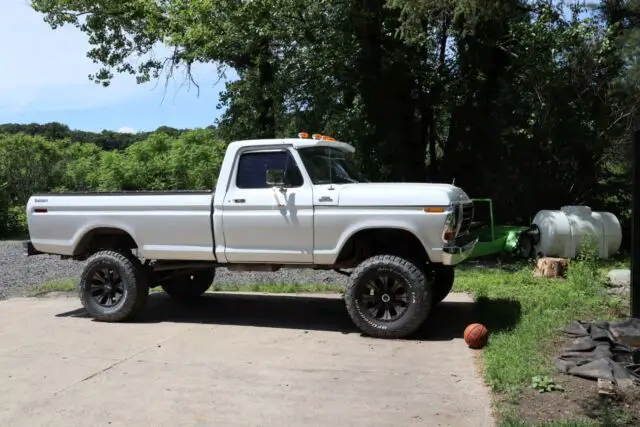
[252, 169]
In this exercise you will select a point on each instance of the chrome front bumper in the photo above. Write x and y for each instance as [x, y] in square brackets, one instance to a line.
[459, 249]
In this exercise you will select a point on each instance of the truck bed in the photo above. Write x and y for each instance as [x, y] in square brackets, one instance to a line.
[172, 225]
[124, 193]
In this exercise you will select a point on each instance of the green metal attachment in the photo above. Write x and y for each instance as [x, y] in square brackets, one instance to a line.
[495, 239]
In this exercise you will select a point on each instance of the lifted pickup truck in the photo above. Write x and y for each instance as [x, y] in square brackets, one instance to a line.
[278, 203]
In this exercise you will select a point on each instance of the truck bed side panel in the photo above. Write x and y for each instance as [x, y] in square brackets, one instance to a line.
[165, 225]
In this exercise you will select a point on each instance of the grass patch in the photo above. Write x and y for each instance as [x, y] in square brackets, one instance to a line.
[14, 236]
[69, 285]
[607, 416]
[513, 421]
[65, 285]
[280, 288]
[518, 353]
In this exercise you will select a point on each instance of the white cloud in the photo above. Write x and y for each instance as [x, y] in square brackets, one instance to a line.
[47, 70]
[126, 129]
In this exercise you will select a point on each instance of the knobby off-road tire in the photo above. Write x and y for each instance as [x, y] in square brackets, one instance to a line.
[443, 278]
[189, 286]
[388, 297]
[113, 286]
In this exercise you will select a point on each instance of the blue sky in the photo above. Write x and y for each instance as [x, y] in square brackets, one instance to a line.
[43, 78]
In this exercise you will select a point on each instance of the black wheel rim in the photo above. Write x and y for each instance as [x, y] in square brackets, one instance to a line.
[106, 287]
[384, 298]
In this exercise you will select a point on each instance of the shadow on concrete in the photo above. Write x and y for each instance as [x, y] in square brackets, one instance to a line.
[447, 320]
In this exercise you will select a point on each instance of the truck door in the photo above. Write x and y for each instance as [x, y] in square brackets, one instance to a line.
[263, 224]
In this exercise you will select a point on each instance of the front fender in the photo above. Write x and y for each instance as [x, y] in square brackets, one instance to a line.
[356, 228]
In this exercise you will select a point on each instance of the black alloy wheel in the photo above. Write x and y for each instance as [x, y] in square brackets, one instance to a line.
[384, 297]
[106, 287]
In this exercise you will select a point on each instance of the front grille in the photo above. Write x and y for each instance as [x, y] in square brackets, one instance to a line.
[466, 217]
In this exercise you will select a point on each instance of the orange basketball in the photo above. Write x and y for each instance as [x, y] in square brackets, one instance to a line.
[476, 335]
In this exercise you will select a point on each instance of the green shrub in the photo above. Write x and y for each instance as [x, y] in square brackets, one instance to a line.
[31, 164]
[16, 221]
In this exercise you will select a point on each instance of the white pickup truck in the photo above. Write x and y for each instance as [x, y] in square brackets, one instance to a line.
[278, 203]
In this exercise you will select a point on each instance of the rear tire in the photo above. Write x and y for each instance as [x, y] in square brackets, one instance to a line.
[388, 297]
[113, 286]
[189, 286]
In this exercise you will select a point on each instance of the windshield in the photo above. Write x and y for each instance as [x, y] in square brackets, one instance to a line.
[327, 165]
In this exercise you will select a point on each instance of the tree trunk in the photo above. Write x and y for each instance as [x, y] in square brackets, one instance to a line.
[266, 104]
[551, 267]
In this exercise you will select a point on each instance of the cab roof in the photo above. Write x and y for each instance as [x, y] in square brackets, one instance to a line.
[295, 142]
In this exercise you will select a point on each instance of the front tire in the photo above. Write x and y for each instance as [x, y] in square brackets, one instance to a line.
[525, 246]
[113, 286]
[388, 297]
[443, 278]
[189, 286]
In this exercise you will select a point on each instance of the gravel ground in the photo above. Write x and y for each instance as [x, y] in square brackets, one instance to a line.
[19, 272]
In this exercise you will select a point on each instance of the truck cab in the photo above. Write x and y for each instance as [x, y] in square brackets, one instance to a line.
[310, 198]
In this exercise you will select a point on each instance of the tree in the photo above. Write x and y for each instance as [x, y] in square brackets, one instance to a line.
[515, 100]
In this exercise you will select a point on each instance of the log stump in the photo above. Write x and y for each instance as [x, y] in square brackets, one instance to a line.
[551, 267]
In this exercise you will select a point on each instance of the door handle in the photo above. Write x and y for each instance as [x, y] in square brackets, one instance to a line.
[238, 200]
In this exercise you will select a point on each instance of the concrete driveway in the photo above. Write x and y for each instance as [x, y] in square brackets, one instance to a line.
[233, 360]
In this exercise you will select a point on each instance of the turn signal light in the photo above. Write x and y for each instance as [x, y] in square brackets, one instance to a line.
[434, 209]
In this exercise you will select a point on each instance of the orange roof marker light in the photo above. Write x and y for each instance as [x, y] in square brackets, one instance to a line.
[317, 136]
[322, 137]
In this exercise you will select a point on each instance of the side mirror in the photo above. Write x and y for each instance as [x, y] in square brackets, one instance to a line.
[275, 177]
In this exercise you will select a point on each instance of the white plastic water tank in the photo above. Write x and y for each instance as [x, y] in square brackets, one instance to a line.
[563, 231]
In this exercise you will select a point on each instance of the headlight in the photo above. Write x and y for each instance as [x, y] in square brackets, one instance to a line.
[451, 223]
